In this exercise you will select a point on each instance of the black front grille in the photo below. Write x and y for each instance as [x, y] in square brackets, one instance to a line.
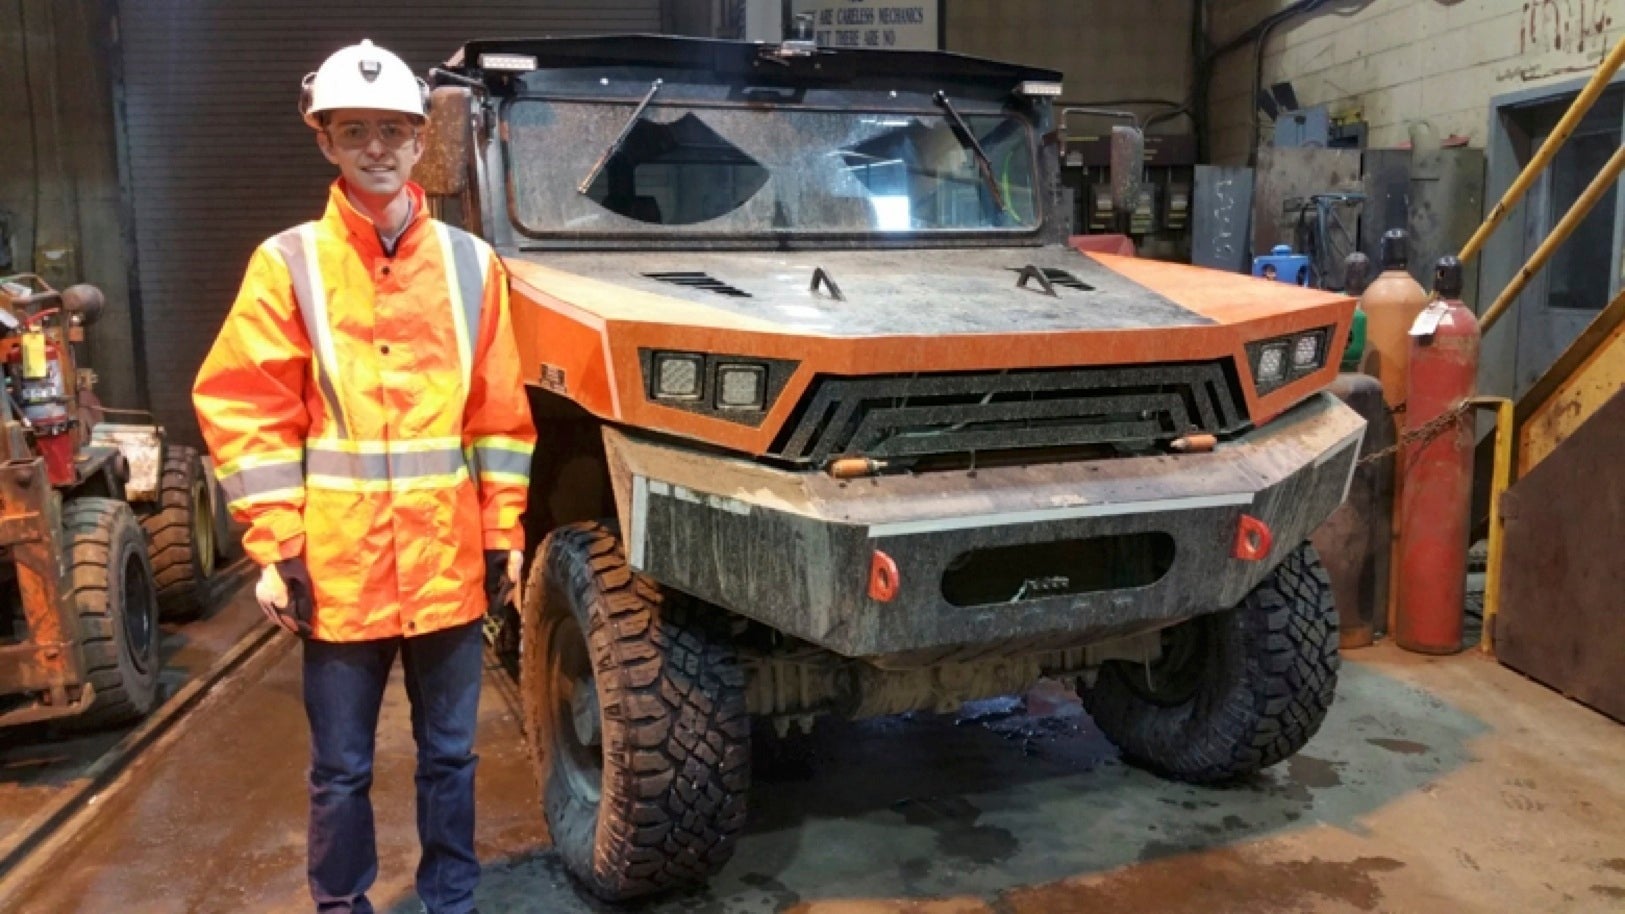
[899, 416]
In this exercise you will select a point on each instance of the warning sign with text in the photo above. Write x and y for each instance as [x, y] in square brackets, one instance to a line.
[872, 23]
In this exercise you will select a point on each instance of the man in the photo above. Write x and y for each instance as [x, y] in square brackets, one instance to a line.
[364, 403]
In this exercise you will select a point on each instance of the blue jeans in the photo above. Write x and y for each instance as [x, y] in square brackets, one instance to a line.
[344, 688]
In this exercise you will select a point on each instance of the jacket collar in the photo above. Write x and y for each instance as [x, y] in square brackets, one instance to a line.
[342, 214]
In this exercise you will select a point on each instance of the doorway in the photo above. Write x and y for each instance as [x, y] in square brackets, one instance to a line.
[1585, 272]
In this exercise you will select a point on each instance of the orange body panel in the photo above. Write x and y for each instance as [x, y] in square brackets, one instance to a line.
[594, 335]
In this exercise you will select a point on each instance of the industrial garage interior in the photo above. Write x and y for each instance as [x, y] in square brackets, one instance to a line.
[1028, 456]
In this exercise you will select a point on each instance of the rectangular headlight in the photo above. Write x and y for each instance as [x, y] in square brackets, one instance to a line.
[741, 386]
[678, 375]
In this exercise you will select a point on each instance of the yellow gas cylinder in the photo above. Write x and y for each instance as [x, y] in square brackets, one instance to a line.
[1391, 304]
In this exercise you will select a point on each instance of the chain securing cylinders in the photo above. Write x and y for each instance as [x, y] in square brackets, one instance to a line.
[1422, 434]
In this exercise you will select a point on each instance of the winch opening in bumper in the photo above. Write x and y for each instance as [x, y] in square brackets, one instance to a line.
[796, 551]
[1016, 574]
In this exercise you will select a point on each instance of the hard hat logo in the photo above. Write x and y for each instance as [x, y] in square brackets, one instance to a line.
[362, 76]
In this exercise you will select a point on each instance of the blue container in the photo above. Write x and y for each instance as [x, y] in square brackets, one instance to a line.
[1281, 265]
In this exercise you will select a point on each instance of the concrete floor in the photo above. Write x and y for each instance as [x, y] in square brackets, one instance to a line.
[1436, 785]
[37, 762]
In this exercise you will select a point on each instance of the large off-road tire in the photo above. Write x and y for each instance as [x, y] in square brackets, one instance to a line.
[1235, 691]
[109, 581]
[634, 709]
[180, 530]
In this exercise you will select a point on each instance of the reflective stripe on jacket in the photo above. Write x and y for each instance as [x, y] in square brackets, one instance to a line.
[368, 412]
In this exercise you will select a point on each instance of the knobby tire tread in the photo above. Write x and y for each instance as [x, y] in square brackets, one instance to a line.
[676, 732]
[92, 529]
[176, 570]
[1271, 680]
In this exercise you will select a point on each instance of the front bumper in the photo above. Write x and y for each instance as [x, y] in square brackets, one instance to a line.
[794, 550]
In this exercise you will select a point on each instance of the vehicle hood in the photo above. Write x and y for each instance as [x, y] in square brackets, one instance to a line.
[912, 292]
[590, 326]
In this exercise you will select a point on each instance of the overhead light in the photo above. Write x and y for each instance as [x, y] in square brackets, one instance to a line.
[1036, 89]
[510, 63]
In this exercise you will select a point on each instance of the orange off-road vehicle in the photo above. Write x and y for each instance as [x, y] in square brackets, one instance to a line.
[834, 421]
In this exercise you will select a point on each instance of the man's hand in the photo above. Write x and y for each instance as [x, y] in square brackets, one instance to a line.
[285, 595]
[272, 595]
[502, 576]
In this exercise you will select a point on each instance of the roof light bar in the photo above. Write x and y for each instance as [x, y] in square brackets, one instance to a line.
[508, 63]
[1035, 89]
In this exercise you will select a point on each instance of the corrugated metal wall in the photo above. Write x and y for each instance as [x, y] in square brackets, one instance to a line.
[219, 159]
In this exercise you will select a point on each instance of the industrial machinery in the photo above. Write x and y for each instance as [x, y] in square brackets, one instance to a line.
[836, 422]
[92, 514]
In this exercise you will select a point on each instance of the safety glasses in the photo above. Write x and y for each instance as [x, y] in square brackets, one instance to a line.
[353, 135]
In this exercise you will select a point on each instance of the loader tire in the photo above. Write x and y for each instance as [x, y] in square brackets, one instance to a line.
[181, 534]
[1235, 691]
[109, 581]
[634, 710]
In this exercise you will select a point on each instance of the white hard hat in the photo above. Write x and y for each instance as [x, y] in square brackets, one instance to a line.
[362, 76]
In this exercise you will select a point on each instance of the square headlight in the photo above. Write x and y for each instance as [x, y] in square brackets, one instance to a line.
[1272, 363]
[1307, 351]
[741, 386]
[677, 375]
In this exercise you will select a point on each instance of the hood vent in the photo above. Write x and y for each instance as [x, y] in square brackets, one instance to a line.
[1063, 278]
[694, 279]
[1048, 278]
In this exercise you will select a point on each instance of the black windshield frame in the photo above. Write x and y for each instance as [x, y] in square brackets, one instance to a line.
[910, 105]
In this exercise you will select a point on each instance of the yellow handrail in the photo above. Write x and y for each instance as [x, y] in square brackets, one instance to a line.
[1499, 483]
[1599, 185]
[1577, 109]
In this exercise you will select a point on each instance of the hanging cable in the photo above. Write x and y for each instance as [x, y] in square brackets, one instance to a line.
[1258, 34]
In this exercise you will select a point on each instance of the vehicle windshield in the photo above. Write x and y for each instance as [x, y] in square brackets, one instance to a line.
[700, 169]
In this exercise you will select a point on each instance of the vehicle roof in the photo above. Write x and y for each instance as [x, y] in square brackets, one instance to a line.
[746, 59]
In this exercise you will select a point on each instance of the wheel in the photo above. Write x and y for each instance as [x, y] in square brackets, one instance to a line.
[634, 709]
[110, 584]
[1234, 692]
[180, 528]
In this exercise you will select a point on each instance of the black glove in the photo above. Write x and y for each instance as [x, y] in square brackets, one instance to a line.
[498, 589]
[301, 594]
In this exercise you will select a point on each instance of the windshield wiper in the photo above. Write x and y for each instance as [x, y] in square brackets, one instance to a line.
[626, 130]
[968, 140]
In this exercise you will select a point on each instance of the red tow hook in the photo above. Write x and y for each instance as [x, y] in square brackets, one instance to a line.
[1252, 539]
[883, 577]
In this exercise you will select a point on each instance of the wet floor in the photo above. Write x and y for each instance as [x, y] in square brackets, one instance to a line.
[1436, 785]
[39, 762]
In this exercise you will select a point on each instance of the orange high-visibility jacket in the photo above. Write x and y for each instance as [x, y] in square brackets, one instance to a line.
[367, 411]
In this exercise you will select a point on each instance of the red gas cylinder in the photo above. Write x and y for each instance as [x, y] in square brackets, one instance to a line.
[1437, 469]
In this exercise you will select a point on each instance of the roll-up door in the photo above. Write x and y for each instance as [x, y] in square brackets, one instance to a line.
[218, 158]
